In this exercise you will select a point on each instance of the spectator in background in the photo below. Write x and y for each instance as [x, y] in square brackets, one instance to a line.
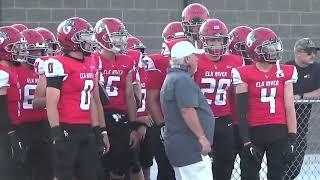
[307, 87]
[189, 122]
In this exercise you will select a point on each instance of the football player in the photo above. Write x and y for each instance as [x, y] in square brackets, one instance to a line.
[237, 42]
[193, 16]
[215, 80]
[147, 133]
[34, 126]
[135, 44]
[52, 45]
[12, 150]
[50, 40]
[70, 85]
[120, 113]
[172, 31]
[237, 46]
[264, 98]
[53, 49]
[134, 48]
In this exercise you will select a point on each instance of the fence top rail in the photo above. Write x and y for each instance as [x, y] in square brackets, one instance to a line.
[307, 101]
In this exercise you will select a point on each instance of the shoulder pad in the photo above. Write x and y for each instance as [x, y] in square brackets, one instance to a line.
[53, 68]
[4, 79]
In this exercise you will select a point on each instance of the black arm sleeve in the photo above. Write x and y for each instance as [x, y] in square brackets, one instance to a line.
[5, 123]
[55, 82]
[242, 109]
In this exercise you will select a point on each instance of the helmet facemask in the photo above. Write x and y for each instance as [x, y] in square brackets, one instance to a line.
[270, 51]
[53, 48]
[18, 51]
[35, 51]
[192, 28]
[87, 41]
[141, 47]
[211, 47]
[240, 48]
[117, 41]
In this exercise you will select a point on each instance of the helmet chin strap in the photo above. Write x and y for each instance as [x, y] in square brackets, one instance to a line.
[15, 63]
[116, 49]
[279, 72]
[86, 53]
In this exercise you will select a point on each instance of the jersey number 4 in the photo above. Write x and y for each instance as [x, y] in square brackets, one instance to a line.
[269, 99]
[221, 90]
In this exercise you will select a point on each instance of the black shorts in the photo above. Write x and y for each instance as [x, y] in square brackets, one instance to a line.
[36, 136]
[9, 170]
[147, 151]
[223, 148]
[79, 153]
[118, 159]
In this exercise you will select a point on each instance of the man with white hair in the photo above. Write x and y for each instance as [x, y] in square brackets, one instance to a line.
[189, 123]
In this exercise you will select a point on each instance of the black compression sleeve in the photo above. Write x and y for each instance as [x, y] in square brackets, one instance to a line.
[242, 109]
[5, 123]
[55, 82]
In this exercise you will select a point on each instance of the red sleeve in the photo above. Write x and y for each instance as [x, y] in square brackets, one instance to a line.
[132, 68]
[240, 61]
[154, 79]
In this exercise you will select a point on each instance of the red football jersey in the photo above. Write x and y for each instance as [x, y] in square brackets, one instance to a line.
[142, 79]
[38, 64]
[114, 74]
[167, 46]
[156, 67]
[234, 115]
[215, 79]
[266, 93]
[78, 83]
[136, 56]
[28, 80]
[10, 79]
[139, 77]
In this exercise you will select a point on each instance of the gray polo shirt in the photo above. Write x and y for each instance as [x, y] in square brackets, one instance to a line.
[180, 91]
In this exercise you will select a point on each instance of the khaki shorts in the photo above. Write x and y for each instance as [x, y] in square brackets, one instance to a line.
[200, 170]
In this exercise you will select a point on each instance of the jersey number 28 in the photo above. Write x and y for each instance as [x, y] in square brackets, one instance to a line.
[221, 90]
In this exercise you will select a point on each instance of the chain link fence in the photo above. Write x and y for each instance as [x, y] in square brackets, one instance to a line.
[308, 117]
[306, 165]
